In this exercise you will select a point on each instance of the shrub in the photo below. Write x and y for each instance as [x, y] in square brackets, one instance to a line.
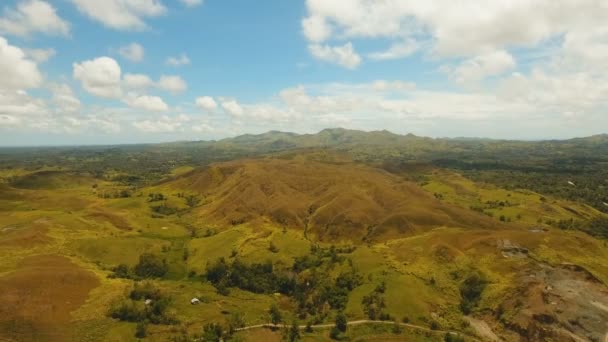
[334, 334]
[141, 330]
[121, 271]
[275, 314]
[212, 332]
[151, 266]
[294, 331]
[341, 322]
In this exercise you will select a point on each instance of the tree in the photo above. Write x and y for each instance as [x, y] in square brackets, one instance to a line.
[141, 330]
[192, 201]
[151, 266]
[121, 271]
[275, 314]
[212, 332]
[294, 331]
[235, 321]
[341, 322]
[334, 334]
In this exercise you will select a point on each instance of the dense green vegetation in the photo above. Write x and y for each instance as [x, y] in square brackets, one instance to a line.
[470, 291]
[145, 304]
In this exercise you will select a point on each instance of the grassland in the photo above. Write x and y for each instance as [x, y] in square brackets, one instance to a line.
[418, 234]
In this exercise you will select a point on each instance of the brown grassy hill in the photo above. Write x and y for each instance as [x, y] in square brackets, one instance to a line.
[339, 200]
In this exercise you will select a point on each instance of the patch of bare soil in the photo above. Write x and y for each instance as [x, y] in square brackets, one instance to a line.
[37, 299]
[558, 303]
[483, 329]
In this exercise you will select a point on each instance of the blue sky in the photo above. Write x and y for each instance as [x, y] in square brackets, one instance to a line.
[127, 71]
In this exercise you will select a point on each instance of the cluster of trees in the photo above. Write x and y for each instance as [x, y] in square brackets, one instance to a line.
[597, 227]
[374, 305]
[470, 291]
[156, 197]
[590, 187]
[164, 210]
[149, 266]
[257, 277]
[145, 304]
[124, 193]
[309, 282]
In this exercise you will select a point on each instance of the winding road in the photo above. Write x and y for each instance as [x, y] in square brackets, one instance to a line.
[358, 322]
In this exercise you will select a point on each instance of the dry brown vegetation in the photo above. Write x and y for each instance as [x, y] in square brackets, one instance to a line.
[332, 201]
[38, 297]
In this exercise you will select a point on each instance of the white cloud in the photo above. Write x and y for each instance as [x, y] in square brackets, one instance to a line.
[343, 55]
[33, 16]
[382, 85]
[202, 128]
[133, 52]
[178, 61]
[396, 50]
[232, 107]
[137, 81]
[173, 84]
[17, 106]
[121, 14]
[456, 28]
[315, 28]
[191, 3]
[17, 71]
[149, 103]
[206, 103]
[164, 124]
[64, 98]
[100, 77]
[40, 55]
[486, 65]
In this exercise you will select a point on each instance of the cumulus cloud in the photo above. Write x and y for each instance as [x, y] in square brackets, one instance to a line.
[164, 124]
[482, 66]
[455, 28]
[396, 50]
[191, 3]
[133, 52]
[315, 28]
[137, 81]
[33, 16]
[178, 60]
[206, 103]
[233, 108]
[149, 103]
[64, 98]
[121, 14]
[40, 55]
[18, 72]
[173, 84]
[344, 55]
[100, 77]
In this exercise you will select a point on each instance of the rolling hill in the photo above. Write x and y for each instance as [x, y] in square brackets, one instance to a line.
[331, 201]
